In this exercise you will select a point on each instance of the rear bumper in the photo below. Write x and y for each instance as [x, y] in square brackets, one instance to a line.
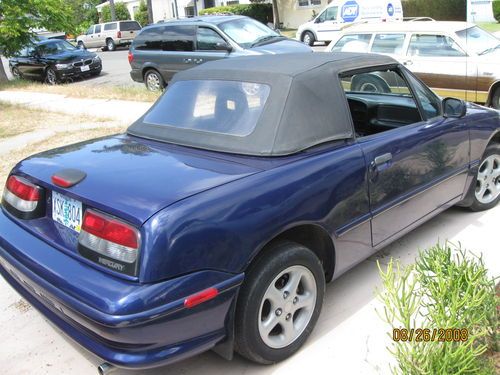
[136, 75]
[121, 334]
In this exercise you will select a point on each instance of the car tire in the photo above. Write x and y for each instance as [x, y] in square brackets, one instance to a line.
[16, 73]
[81, 45]
[368, 82]
[50, 76]
[279, 303]
[153, 80]
[308, 38]
[110, 45]
[484, 192]
[495, 100]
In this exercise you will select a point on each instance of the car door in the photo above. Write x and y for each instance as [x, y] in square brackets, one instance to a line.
[98, 37]
[418, 160]
[210, 45]
[177, 49]
[327, 24]
[22, 61]
[89, 37]
[440, 62]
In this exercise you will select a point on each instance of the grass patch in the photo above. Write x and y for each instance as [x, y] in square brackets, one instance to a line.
[18, 119]
[8, 161]
[492, 27]
[289, 33]
[81, 91]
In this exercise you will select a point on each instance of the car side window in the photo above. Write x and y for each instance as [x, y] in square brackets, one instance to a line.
[208, 39]
[353, 43]
[178, 38]
[388, 43]
[110, 26]
[97, 29]
[434, 45]
[429, 101]
[90, 30]
[331, 14]
[379, 100]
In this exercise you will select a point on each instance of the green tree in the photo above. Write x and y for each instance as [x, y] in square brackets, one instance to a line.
[19, 19]
[496, 9]
[121, 10]
[83, 14]
[141, 15]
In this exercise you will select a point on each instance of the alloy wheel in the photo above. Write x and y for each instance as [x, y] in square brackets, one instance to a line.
[488, 180]
[15, 73]
[51, 77]
[287, 306]
[307, 39]
[153, 82]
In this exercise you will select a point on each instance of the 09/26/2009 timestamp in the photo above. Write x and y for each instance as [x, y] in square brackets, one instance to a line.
[430, 335]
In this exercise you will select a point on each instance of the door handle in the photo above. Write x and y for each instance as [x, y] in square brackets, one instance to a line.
[198, 61]
[407, 62]
[382, 159]
[187, 61]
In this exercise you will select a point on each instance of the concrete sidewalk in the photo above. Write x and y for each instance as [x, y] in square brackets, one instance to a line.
[123, 110]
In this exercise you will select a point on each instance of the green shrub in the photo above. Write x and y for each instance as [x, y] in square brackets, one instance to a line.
[449, 10]
[496, 9]
[141, 15]
[121, 12]
[445, 288]
[258, 11]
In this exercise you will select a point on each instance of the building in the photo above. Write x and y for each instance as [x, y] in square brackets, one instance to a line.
[294, 13]
[480, 11]
[168, 9]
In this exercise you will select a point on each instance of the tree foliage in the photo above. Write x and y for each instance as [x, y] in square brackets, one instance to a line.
[83, 14]
[496, 9]
[121, 10]
[20, 19]
[260, 12]
[141, 15]
[449, 10]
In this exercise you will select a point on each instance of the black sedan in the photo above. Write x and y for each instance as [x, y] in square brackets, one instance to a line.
[54, 61]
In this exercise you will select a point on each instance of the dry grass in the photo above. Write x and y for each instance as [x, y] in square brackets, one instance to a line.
[8, 161]
[18, 119]
[81, 91]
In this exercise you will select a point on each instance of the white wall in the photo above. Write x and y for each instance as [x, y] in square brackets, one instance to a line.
[479, 11]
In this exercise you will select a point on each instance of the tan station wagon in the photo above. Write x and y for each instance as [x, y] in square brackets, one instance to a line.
[455, 59]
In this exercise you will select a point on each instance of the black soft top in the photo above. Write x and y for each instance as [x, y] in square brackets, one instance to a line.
[306, 105]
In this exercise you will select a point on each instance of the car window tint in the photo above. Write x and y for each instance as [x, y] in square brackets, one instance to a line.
[90, 30]
[379, 100]
[129, 25]
[207, 39]
[224, 107]
[433, 46]
[388, 43]
[166, 38]
[429, 101]
[110, 26]
[97, 29]
[353, 43]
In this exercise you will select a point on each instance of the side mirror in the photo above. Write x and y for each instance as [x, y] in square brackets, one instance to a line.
[454, 108]
[318, 20]
[223, 47]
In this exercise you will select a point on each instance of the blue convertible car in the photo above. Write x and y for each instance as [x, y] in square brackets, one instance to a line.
[217, 219]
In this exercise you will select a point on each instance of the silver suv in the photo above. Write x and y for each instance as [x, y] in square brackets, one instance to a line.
[161, 50]
[109, 35]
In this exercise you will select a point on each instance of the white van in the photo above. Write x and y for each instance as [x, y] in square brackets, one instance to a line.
[338, 13]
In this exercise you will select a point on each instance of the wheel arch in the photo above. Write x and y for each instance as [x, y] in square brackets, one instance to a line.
[306, 30]
[312, 236]
[494, 87]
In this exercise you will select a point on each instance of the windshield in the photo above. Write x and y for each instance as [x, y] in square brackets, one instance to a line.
[247, 32]
[55, 47]
[224, 107]
[478, 40]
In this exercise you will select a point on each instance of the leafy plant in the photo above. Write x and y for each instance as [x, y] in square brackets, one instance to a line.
[260, 12]
[496, 9]
[445, 288]
[121, 12]
[449, 10]
[141, 15]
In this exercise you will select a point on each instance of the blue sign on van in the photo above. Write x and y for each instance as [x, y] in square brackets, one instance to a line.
[350, 11]
[390, 9]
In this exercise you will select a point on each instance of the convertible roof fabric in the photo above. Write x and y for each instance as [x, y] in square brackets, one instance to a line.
[306, 105]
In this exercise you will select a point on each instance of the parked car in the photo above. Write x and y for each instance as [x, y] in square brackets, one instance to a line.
[340, 13]
[53, 61]
[161, 50]
[109, 35]
[453, 58]
[217, 219]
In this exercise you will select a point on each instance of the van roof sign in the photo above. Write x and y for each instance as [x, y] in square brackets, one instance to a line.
[350, 11]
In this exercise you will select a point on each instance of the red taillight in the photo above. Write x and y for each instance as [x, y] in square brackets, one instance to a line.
[119, 34]
[203, 296]
[23, 189]
[110, 229]
[130, 57]
[59, 181]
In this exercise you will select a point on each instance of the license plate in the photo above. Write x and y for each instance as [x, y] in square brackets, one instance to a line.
[85, 68]
[67, 211]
